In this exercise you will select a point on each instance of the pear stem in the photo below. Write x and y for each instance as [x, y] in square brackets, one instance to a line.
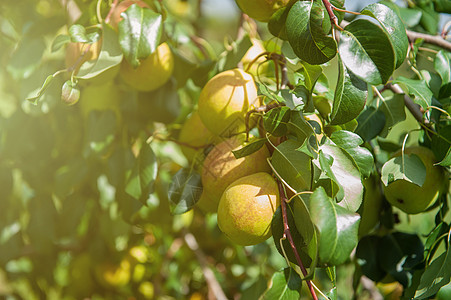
[287, 234]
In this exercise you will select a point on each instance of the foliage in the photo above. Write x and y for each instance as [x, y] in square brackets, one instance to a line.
[99, 199]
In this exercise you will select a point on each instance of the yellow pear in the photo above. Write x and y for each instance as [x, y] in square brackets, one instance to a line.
[410, 197]
[113, 276]
[259, 66]
[246, 209]
[225, 100]
[221, 168]
[261, 10]
[152, 73]
[194, 133]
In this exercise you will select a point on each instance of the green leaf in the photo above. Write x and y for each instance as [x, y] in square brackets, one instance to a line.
[184, 191]
[350, 142]
[367, 52]
[446, 161]
[398, 254]
[305, 246]
[307, 35]
[393, 109]
[437, 274]
[249, 148]
[393, 27]
[299, 126]
[347, 175]
[276, 24]
[418, 89]
[284, 285]
[293, 166]
[275, 121]
[109, 57]
[232, 57]
[442, 65]
[366, 254]
[77, 34]
[311, 74]
[410, 168]
[350, 96]
[139, 33]
[337, 228]
[142, 177]
[370, 123]
[60, 41]
[429, 17]
[410, 16]
[42, 90]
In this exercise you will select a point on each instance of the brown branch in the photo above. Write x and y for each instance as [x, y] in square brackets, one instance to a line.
[332, 16]
[110, 13]
[414, 108]
[430, 39]
[287, 234]
[213, 284]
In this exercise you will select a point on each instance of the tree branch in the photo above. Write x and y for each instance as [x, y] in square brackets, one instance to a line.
[414, 108]
[430, 39]
[210, 278]
[287, 234]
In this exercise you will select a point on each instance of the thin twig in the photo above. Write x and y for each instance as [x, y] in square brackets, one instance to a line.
[430, 39]
[110, 13]
[332, 16]
[264, 108]
[287, 234]
[210, 278]
[414, 108]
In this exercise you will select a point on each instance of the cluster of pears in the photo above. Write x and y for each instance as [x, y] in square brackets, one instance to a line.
[242, 191]
[152, 73]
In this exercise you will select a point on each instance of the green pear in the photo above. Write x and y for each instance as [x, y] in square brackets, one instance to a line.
[225, 100]
[221, 168]
[194, 133]
[101, 97]
[261, 10]
[410, 197]
[246, 209]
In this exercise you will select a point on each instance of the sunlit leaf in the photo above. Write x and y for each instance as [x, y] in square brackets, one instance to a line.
[306, 33]
[408, 167]
[393, 27]
[337, 228]
[350, 143]
[418, 89]
[139, 33]
[275, 121]
[249, 148]
[285, 284]
[350, 96]
[367, 52]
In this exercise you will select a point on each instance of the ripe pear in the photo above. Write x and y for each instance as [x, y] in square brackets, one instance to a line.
[194, 133]
[261, 10]
[225, 100]
[410, 197]
[246, 209]
[221, 168]
[259, 66]
[101, 97]
[113, 276]
[153, 72]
